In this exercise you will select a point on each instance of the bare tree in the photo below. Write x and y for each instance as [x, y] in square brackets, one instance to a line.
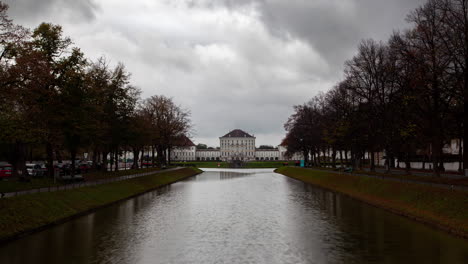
[169, 122]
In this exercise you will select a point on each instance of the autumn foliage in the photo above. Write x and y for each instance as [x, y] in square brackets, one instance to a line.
[56, 104]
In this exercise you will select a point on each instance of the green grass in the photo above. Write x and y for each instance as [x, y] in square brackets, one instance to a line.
[201, 164]
[429, 179]
[413, 177]
[28, 212]
[113, 174]
[13, 185]
[214, 164]
[442, 208]
[268, 164]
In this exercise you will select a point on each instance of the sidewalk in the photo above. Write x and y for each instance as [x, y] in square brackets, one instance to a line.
[84, 184]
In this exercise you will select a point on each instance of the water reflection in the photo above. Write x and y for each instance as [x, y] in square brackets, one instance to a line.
[238, 216]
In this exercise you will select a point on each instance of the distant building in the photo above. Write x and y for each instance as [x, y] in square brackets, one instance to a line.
[185, 150]
[236, 145]
[208, 155]
[267, 154]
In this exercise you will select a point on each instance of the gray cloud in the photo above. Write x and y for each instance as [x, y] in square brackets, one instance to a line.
[233, 63]
[333, 27]
[31, 11]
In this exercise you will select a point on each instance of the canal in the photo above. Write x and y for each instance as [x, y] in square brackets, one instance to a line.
[238, 216]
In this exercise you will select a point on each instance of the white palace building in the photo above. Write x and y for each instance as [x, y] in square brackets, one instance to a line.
[236, 145]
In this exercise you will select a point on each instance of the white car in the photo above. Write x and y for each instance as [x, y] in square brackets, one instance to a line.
[34, 170]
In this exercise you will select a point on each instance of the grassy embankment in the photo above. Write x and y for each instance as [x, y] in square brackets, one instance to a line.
[248, 165]
[26, 213]
[441, 208]
[13, 185]
[412, 177]
[429, 178]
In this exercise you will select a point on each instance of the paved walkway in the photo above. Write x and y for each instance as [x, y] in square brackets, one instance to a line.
[84, 184]
[383, 177]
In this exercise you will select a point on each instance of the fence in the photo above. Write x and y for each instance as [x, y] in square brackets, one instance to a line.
[71, 186]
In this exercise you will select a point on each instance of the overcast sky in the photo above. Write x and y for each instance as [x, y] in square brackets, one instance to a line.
[233, 63]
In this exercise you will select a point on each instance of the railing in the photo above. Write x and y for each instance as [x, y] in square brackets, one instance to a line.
[71, 186]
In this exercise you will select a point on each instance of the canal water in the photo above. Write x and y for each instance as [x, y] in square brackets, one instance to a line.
[238, 216]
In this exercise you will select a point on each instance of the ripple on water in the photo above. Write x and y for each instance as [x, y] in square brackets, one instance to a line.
[238, 216]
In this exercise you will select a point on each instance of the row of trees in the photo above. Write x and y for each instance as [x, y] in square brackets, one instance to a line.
[54, 101]
[406, 96]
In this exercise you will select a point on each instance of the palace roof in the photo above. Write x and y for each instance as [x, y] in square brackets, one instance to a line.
[238, 133]
[184, 141]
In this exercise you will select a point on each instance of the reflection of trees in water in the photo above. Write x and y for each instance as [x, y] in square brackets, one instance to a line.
[228, 175]
[349, 222]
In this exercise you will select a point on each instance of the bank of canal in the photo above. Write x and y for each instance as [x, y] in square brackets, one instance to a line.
[238, 216]
[438, 207]
[28, 213]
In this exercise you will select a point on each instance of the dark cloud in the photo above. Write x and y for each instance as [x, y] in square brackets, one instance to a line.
[32, 11]
[233, 63]
[333, 27]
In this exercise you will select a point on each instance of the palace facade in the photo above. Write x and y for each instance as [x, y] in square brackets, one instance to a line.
[236, 145]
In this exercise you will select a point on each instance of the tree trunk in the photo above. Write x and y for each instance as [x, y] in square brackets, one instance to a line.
[465, 124]
[50, 159]
[94, 159]
[341, 158]
[104, 161]
[111, 162]
[142, 157]
[17, 159]
[346, 156]
[152, 156]
[388, 160]
[58, 155]
[436, 152]
[319, 162]
[136, 153]
[407, 163]
[117, 160]
[73, 158]
[460, 156]
[334, 158]
[360, 160]
[372, 161]
[441, 165]
[169, 156]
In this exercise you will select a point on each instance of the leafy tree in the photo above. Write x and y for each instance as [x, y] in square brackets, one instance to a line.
[202, 146]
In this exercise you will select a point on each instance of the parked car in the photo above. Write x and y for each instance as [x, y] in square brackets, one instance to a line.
[65, 169]
[6, 171]
[83, 168]
[147, 164]
[34, 170]
[44, 169]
